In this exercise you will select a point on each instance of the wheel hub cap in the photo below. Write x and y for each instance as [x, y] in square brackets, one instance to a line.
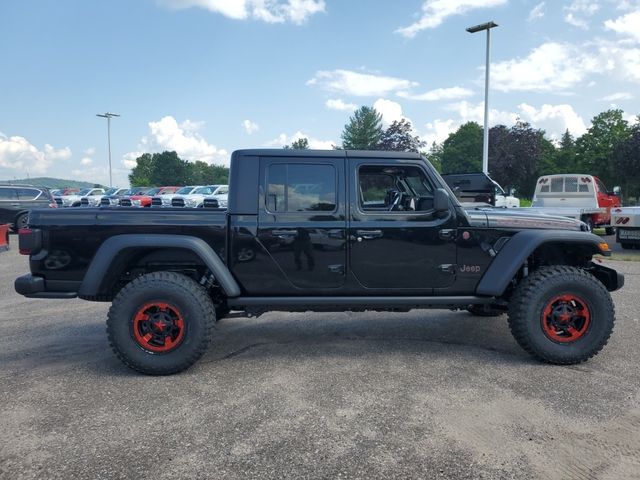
[158, 327]
[566, 318]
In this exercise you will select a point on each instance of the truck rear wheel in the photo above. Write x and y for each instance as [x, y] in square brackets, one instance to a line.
[160, 323]
[561, 315]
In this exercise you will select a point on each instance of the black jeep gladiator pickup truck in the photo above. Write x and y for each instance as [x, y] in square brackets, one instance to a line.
[325, 231]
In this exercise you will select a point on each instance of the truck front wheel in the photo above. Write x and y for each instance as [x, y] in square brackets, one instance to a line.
[160, 323]
[561, 315]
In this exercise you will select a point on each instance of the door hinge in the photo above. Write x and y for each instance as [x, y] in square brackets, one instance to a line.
[447, 234]
[449, 268]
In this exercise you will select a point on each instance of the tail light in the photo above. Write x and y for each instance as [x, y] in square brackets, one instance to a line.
[29, 241]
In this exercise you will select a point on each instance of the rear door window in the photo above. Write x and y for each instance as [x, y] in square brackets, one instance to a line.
[301, 188]
[557, 185]
[8, 194]
[28, 193]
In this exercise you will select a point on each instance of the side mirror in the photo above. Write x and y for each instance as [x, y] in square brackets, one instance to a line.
[441, 201]
[617, 190]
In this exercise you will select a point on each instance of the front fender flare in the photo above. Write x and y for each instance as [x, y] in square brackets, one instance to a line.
[105, 255]
[515, 252]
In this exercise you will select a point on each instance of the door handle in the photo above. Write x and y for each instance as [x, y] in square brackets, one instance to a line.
[368, 234]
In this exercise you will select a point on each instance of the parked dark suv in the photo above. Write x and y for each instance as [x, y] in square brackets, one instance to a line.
[17, 200]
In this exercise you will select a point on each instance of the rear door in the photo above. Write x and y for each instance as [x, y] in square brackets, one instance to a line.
[302, 221]
[9, 205]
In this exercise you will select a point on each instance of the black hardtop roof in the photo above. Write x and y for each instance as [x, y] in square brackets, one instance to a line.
[282, 152]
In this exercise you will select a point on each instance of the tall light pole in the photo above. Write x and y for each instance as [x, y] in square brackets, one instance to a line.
[108, 117]
[485, 144]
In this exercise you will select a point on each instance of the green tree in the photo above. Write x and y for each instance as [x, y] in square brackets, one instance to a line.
[462, 150]
[627, 161]
[399, 137]
[595, 149]
[141, 174]
[364, 130]
[299, 144]
[516, 155]
[565, 160]
[200, 173]
[434, 155]
[220, 174]
[159, 169]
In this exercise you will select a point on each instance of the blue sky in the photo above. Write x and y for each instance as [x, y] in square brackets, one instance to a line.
[205, 77]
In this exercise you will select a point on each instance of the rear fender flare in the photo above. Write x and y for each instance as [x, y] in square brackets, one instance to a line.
[108, 251]
[515, 252]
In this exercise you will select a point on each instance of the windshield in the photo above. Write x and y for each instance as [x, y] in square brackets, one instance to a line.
[82, 192]
[152, 191]
[111, 191]
[184, 190]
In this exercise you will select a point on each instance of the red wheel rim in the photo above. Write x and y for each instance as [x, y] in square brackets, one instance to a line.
[566, 318]
[158, 327]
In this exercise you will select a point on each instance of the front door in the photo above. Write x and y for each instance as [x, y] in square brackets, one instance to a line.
[397, 240]
[302, 221]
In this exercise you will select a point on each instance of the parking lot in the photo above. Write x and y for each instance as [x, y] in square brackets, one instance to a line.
[322, 395]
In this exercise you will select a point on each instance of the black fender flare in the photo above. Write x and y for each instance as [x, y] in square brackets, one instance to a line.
[105, 255]
[515, 252]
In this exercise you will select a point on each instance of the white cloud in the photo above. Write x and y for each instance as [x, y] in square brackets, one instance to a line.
[614, 97]
[555, 119]
[183, 138]
[250, 127]
[579, 11]
[391, 111]
[451, 93]
[91, 151]
[284, 139]
[434, 12]
[474, 112]
[537, 12]
[628, 25]
[19, 155]
[337, 104]
[358, 84]
[438, 130]
[86, 161]
[270, 11]
[549, 67]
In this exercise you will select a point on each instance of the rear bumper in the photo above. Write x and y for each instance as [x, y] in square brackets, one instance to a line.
[34, 287]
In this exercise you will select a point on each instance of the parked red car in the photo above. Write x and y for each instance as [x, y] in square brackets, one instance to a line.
[143, 197]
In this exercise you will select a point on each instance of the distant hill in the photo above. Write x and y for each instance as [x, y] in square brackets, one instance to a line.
[51, 182]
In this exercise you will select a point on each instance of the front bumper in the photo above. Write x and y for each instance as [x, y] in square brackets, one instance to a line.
[35, 287]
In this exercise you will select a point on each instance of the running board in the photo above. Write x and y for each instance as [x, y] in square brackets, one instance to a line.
[367, 303]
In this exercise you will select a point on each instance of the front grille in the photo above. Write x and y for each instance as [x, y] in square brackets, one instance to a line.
[177, 202]
[211, 203]
[58, 201]
[156, 202]
[125, 202]
[84, 202]
[105, 202]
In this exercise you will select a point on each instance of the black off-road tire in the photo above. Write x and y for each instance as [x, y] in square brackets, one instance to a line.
[186, 297]
[483, 310]
[533, 295]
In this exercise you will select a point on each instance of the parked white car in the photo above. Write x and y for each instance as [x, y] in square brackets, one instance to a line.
[94, 200]
[221, 194]
[195, 199]
[75, 200]
[165, 200]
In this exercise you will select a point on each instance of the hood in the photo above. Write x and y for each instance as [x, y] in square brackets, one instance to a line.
[489, 217]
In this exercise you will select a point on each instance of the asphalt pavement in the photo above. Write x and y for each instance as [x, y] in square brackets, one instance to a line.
[423, 394]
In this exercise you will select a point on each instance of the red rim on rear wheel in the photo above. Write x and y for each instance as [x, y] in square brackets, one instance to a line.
[566, 318]
[158, 327]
